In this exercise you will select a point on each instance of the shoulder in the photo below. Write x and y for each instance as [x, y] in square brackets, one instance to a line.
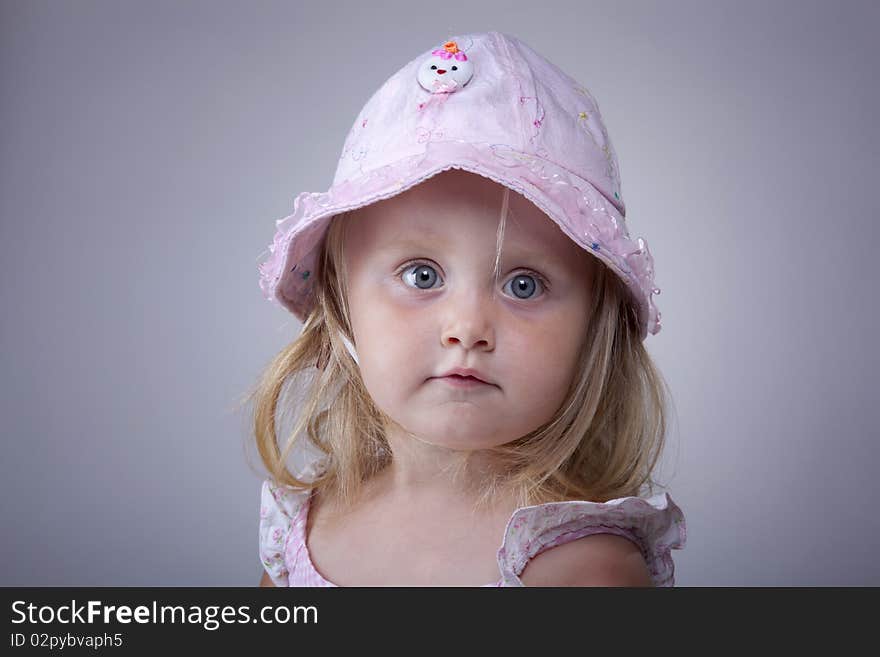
[622, 542]
[594, 560]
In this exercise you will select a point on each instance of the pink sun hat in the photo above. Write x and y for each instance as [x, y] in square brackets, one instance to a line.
[489, 104]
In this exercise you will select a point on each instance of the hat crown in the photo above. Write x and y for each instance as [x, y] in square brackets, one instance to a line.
[512, 97]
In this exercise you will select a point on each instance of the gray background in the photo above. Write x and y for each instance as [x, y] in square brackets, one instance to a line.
[146, 150]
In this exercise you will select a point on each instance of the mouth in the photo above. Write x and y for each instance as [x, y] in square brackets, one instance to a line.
[459, 381]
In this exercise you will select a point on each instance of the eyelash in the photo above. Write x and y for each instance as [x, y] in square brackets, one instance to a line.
[412, 263]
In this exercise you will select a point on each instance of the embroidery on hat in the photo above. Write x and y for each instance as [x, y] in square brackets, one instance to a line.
[611, 168]
[584, 92]
[584, 120]
[353, 150]
[539, 116]
[428, 135]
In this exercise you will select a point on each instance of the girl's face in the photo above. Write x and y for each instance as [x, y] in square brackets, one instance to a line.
[420, 294]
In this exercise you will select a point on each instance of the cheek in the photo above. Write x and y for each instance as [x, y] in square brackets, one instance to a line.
[545, 353]
[391, 343]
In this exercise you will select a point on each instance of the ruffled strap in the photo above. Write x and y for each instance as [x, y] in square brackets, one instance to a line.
[279, 508]
[655, 524]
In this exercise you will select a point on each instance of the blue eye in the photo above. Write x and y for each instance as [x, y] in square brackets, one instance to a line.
[423, 276]
[523, 285]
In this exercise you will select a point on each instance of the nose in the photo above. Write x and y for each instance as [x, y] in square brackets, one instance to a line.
[469, 322]
[441, 71]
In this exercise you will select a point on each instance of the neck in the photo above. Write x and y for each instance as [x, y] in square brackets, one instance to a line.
[422, 471]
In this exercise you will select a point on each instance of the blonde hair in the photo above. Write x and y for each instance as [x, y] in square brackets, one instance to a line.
[602, 443]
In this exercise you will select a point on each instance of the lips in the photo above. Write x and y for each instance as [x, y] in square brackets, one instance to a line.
[465, 374]
[464, 382]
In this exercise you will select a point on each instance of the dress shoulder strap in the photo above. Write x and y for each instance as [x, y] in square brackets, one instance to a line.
[655, 524]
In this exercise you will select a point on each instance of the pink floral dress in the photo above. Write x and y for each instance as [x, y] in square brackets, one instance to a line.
[655, 524]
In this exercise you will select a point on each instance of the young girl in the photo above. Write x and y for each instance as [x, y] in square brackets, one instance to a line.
[472, 403]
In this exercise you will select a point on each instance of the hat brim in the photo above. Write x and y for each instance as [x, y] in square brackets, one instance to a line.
[572, 202]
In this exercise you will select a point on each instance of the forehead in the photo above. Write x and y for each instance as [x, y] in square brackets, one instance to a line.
[458, 206]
